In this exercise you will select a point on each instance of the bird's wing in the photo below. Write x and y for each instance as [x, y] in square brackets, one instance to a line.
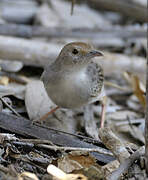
[96, 77]
[42, 78]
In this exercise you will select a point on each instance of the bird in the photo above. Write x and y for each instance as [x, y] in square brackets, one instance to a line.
[74, 80]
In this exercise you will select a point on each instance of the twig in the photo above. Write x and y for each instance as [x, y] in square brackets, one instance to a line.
[27, 144]
[132, 121]
[37, 141]
[107, 83]
[13, 110]
[126, 164]
[55, 148]
[31, 142]
[72, 6]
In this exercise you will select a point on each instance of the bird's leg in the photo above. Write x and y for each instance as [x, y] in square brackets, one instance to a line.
[103, 112]
[46, 115]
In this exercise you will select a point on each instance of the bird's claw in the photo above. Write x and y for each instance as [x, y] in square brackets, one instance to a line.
[37, 121]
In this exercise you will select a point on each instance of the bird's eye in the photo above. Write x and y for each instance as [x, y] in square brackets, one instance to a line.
[75, 51]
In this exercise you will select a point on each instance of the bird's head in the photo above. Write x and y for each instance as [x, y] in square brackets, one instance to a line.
[77, 54]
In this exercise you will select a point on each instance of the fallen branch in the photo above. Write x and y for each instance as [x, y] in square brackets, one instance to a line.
[27, 31]
[36, 53]
[127, 8]
[28, 51]
[25, 128]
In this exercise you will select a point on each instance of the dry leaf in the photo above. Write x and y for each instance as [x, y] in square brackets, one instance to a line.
[4, 80]
[110, 167]
[60, 175]
[138, 91]
[138, 87]
[36, 100]
[74, 161]
[38, 104]
[27, 174]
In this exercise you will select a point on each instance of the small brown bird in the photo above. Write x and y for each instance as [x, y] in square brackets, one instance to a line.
[73, 79]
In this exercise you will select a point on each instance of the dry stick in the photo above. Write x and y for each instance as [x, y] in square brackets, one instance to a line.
[146, 123]
[128, 8]
[132, 121]
[39, 143]
[55, 148]
[37, 53]
[27, 51]
[72, 6]
[13, 110]
[36, 141]
[107, 83]
[125, 165]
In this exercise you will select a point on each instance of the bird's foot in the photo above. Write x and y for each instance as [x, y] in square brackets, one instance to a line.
[37, 121]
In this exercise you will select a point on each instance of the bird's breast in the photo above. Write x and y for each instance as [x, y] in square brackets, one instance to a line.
[70, 90]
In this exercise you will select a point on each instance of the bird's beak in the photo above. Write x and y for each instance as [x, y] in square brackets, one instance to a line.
[94, 53]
